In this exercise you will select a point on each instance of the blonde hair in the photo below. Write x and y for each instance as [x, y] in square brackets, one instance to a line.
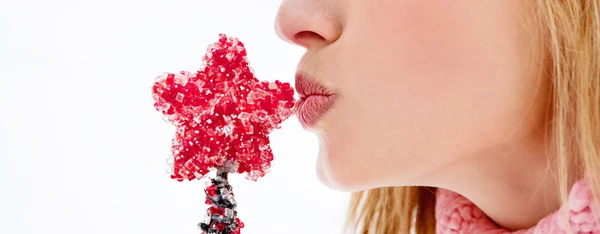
[572, 29]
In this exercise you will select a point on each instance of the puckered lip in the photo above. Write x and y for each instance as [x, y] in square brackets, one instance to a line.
[307, 86]
[314, 102]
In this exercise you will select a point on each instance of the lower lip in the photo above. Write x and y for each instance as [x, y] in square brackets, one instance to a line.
[312, 108]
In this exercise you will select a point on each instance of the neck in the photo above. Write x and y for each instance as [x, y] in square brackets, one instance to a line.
[513, 184]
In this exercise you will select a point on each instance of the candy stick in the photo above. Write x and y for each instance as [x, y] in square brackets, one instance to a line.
[223, 116]
[221, 216]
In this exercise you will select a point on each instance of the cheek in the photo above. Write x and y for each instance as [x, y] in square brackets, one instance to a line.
[427, 86]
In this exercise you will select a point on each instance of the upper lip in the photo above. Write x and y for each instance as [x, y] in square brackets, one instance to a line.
[307, 86]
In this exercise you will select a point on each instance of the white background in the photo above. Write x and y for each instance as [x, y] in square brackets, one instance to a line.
[82, 149]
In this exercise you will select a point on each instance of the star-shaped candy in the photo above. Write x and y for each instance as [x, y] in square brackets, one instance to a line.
[223, 114]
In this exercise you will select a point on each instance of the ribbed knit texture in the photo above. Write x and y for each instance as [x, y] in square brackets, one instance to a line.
[456, 214]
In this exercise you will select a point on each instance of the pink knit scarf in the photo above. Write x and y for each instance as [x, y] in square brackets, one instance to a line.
[456, 214]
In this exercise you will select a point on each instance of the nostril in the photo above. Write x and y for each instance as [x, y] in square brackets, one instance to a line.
[308, 34]
[303, 38]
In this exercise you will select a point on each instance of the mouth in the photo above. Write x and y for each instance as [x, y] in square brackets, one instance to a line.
[315, 100]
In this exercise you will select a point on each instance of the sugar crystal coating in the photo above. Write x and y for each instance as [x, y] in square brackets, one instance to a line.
[222, 114]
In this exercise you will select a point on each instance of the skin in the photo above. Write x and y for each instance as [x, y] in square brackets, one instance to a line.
[449, 94]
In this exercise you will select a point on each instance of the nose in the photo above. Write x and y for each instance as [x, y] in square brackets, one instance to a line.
[308, 22]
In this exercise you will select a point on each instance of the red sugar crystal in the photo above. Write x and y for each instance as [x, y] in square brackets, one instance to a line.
[211, 191]
[222, 113]
[216, 210]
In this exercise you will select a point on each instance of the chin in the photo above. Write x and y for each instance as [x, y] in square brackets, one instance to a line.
[334, 183]
[339, 178]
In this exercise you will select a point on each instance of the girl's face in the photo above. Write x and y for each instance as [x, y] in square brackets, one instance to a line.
[420, 84]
